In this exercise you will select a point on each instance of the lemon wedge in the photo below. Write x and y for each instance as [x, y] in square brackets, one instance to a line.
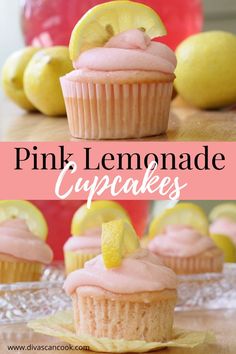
[22, 209]
[100, 211]
[186, 214]
[225, 210]
[226, 245]
[104, 21]
[118, 239]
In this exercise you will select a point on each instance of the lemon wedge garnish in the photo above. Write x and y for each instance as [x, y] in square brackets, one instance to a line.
[118, 240]
[100, 211]
[104, 21]
[226, 245]
[186, 214]
[225, 210]
[22, 209]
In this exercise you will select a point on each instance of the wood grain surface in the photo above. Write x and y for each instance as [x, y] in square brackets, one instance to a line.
[222, 323]
[186, 124]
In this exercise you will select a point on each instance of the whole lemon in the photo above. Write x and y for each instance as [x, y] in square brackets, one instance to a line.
[41, 79]
[12, 76]
[206, 70]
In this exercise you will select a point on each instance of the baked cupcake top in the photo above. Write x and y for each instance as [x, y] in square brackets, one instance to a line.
[129, 50]
[224, 226]
[18, 241]
[180, 241]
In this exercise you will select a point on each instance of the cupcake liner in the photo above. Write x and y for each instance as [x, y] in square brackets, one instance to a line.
[124, 318]
[61, 326]
[116, 111]
[194, 265]
[75, 260]
[11, 272]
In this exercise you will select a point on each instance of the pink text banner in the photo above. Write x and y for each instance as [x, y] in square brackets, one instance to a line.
[118, 170]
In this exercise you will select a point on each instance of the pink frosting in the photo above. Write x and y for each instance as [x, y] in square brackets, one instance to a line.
[130, 50]
[180, 241]
[18, 241]
[224, 226]
[142, 271]
[80, 243]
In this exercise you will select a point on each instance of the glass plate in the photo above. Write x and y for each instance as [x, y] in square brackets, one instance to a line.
[20, 302]
[208, 291]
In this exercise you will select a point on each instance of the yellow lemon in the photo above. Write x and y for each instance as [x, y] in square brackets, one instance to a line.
[21, 209]
[186, 214]
[224, 210]
[41, 79]
[100, 211]
[118, 240]
[206, 71]
[12, 77]
[103, 21]
[226, 245]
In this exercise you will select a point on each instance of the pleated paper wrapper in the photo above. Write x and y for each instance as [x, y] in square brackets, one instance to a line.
[61, 326]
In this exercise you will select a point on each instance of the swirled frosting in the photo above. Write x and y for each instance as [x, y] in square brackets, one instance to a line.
[180, 241]
[224, 226]
[18, 241]
[83, 243]
[139, 272]
[130, 50]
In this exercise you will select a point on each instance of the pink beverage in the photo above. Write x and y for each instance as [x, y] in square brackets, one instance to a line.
[50, 22]
[59, 215]
[139, 211]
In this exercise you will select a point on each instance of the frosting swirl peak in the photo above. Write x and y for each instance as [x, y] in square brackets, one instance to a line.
[129, 50]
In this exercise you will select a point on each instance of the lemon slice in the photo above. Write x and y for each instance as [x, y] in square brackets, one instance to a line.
[21, 209]
[186, 214]
[225, 210]
[100, 211]
[118, 239]
[226, 245]
[104, 21]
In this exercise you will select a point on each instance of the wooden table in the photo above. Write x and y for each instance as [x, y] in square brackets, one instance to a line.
[222, 322]
[186, 124]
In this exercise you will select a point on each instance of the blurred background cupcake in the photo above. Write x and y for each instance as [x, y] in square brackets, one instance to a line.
[86, 228]
[180, 237]
[23, 250]
[223, 228]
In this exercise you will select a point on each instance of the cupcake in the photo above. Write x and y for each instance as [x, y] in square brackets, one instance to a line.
[223, 220]
[81, 248]
[23, 252]
[186, 251]
[123, 88]
[124, 293]
[224, 226]
[85, 242]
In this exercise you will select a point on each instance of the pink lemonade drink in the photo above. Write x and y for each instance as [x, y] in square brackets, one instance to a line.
[59, 215]
[50, 22]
